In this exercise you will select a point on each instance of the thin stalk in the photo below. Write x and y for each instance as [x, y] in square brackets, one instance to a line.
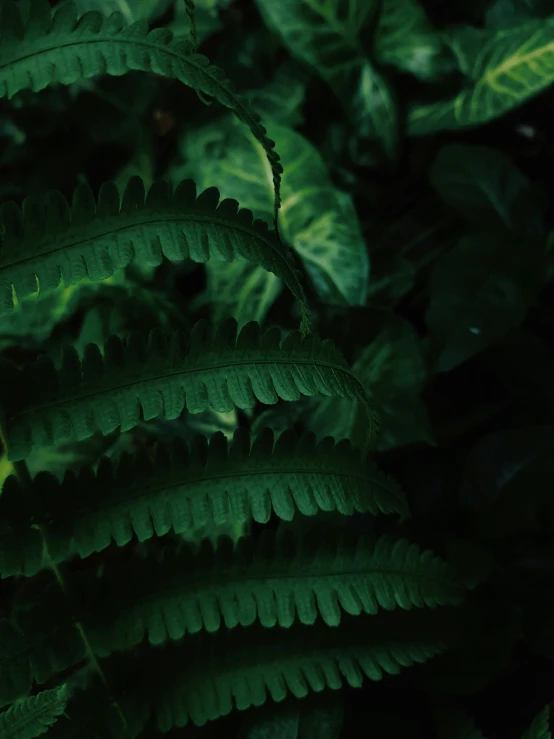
[23, 475]
[189, 5]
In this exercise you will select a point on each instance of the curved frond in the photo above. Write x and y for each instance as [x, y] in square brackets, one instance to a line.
[64, 49]
[210, 676]
[34, 716]
[143, 379]
[276, 581]
[183, 488]
[49, 241]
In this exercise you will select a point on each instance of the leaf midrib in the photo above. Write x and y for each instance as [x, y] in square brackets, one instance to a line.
[155, 490]
[184, 371]
[192, 218]
[228, 577]
[122, 39]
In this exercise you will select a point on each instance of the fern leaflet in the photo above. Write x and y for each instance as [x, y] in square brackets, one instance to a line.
[276, 581]
[210, 676]
[48, 241]
[64, 49]
[184, 488]
[34, 716]
[161, 377]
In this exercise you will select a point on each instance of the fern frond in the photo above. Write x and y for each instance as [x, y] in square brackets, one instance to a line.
[183, 488]
[36, 646]
[276, 581]
[161, 377]
[208, 677]
[49, 241]
[33, 716]
[64, 49]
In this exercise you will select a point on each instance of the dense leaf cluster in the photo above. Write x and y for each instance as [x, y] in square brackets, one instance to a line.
[276, 359]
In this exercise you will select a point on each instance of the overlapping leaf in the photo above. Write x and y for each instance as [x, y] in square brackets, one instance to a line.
[276, 581]
[64, 49]
[328, 37]
[187, 487]
[36, 648]
[391, 365]
[209, 677]
[144, 379]
[317, 219]
[48, 241]
[405, 38]
[505, 69]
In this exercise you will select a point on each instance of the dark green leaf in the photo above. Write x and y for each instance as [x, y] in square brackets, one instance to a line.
[405, 39]
[327, 37]
[318, 220]
[508, 477]
[479, 291]
[485, 187]
[506, 68]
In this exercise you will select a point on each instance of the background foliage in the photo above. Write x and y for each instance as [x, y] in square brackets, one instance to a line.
[415, 137]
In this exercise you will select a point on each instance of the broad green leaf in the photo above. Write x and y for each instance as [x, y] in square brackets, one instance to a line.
[394, 357]
[392, 370]
[506, 68]
[404, 38]
[485, 187]
[241, 290]
[539, 729]
[318, 220]
[508, 478]
[281, 100]
[326, 34]
[479, 291]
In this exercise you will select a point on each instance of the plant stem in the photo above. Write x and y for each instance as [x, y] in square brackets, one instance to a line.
[23, 475]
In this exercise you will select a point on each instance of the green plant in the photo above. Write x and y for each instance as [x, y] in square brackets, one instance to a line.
[203, 516]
